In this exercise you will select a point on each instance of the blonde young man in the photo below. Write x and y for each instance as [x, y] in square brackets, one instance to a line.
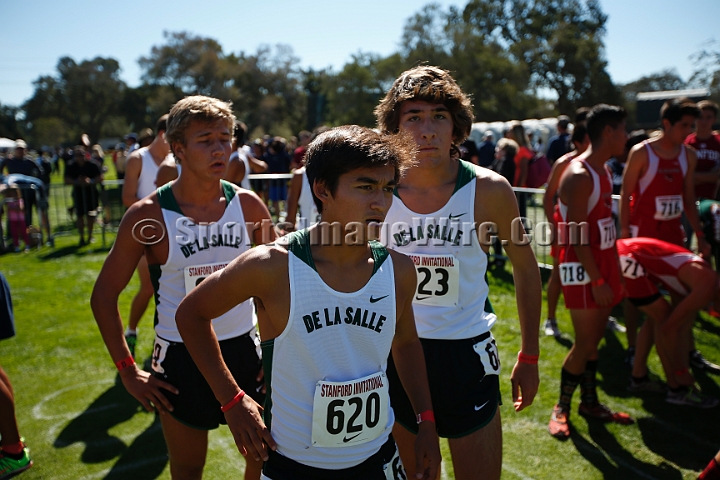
[330, 311]
[186, 230]
[439, 218]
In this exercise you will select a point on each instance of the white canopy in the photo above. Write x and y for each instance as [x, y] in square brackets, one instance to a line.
[7, 143]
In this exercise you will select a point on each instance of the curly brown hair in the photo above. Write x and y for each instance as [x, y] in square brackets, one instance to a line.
[432, 85]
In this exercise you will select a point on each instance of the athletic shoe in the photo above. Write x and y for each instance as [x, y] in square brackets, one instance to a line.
[646, 385]
[9, 467]
[613, 325]
[131, 340]
[692, 397]
[601, 412]
[701, 363]
[558, 426]
[630, 357]
[551, 328]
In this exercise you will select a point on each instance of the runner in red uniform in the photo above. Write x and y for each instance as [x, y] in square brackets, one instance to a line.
[707, 147]
[645, 263]
[589, 271]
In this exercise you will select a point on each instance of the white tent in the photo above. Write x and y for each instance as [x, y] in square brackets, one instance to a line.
[7, 143]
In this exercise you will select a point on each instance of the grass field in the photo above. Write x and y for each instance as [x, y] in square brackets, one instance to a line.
[80, 423]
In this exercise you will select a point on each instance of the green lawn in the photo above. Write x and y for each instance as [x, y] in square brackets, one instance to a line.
[80, 423]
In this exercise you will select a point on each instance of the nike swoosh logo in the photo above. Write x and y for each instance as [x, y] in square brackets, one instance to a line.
[453, 217]
[480, 407]
[421, 298]
[346, 439]
[375, 300]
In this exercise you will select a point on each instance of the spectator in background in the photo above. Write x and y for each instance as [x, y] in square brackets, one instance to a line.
[278, 161]
[616, 165]
[299, 154]
[242, 162]
[97, 155]
[131, 143]
[15, 208]
[559, 144]
[84, 176]
[486, 151]
[504, 164]
[469, 151]
[21, 164]
[119, 159]
[522, 161]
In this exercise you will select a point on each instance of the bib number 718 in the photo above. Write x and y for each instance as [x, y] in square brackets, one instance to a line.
[573, 273]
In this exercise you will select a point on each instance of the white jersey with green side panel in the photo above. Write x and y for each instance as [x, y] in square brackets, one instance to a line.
[451, 301]
[194, 252]
[327, 403]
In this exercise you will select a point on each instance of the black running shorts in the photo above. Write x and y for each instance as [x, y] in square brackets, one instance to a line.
[464, 398]
[196, 405]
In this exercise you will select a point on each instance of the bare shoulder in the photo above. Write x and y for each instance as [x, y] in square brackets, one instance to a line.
[148, 207]
[405, 276]
[490, 181]
[249, 200]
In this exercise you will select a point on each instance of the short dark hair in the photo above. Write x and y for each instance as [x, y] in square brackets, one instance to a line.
[563, 121]
[708, 105]
[579, 132]
[676, 108]
[240, 132]
[635, 137]
[347, 148]
[161, 124]
[581, 115]
[432, 85]
[601, 116]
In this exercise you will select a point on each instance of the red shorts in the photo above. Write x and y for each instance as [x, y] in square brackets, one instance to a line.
[642, 282]
[576, 283]
[670, 231]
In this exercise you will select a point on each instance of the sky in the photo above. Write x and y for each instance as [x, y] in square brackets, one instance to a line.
[643, 36]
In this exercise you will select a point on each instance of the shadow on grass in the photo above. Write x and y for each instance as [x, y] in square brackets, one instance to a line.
[75, 250]
[145, 458]
[610, 458]
[611, 366]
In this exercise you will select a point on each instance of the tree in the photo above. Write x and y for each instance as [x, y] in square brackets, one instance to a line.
[9, 127]
[707, 70]
[82, 95]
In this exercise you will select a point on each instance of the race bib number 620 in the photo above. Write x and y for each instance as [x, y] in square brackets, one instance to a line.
[350, 413]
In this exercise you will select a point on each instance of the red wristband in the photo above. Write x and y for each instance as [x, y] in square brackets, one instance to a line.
[235, 400]
[598, 283]
[426, 416]
[125, 363]
[529, 359]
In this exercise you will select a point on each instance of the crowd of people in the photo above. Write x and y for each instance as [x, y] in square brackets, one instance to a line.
[332, 356]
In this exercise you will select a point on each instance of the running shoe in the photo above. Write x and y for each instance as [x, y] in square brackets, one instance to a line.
[131, 340]
[601, 412]
[9, 467]
[613, 325]
[558, 426]
[701, 363]
[630, 357]
[646, 385]
[551, 328]
[692, 397]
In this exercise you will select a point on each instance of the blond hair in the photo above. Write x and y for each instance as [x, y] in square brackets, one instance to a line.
[199, 108]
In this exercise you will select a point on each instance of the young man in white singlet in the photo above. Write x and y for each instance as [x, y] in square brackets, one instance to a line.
[439, 218]
[186, 230]
[330, 309]
[141, 171]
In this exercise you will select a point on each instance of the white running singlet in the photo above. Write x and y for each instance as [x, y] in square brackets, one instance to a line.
[328, 403]
[194, 252]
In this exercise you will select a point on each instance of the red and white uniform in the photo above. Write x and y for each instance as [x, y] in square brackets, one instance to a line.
[601, 239]
[656, 205]
[708, 158]
[645, 262]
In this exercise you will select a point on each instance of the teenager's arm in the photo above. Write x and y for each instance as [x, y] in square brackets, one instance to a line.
[410, 363]
[133, 166]
[247, 276]
[552, 187]
[636, 163]
[257, 218]
[690, 208]
[114, 276]
[499, 199]
[235, 171]
[167, 172]
[294, 198]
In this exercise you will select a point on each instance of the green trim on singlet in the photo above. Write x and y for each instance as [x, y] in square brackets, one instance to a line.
[466, 174]
[268, 348]
[155, 273]
[299, 244]
[167, 199]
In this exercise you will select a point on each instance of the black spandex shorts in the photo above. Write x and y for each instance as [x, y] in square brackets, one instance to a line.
[464, 398]
[196, 405]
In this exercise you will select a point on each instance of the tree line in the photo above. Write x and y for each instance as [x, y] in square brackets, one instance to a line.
[518, 58]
